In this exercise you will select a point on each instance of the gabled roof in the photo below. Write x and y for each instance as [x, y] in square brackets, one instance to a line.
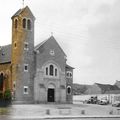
[107, 87]
[5, 54]
[39, 45]
[42, 43]
[117, 82]
[80, 88]
[22, 10]
[68, 66]
[17, 13]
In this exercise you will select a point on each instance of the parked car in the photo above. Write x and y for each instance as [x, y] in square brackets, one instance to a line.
[91, 100]
[103, 102]
[116, 104]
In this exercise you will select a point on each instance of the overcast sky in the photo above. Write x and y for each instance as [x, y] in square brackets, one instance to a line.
[87, 30]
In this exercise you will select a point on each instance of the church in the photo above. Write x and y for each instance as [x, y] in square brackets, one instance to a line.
[34, 74]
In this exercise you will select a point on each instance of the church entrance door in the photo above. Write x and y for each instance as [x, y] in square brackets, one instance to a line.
[51, 95]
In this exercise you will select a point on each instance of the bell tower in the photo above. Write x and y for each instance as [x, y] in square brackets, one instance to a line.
[23, 55]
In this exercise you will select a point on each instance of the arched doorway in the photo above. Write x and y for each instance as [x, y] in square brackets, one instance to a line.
[51, 93]
[1, 81]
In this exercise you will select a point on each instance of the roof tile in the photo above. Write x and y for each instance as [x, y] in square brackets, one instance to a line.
[5, 54]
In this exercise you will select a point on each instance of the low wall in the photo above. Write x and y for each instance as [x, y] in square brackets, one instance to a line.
[111, 97]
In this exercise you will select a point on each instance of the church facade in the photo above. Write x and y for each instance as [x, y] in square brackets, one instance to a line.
[35, 74]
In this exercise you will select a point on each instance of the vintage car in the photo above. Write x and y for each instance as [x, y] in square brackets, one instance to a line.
[103, 102]
[116, 104]
[91, 100]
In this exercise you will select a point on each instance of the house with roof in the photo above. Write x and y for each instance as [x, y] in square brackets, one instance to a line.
[34, 74]
[117, 83]
[104, 91]
[98, 88]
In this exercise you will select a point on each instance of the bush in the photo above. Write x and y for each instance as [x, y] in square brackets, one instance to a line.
[1, 95]
[7, 95]
[5, 98]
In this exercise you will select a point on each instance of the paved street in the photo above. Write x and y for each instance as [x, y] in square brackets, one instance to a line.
[61, 111]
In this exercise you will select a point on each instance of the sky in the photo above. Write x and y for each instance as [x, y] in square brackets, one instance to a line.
[87, 30]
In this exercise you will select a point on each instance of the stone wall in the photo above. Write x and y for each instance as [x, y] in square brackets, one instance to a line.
[6, 70]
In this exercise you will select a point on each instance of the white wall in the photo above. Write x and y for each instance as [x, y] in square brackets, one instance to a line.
[111, 97]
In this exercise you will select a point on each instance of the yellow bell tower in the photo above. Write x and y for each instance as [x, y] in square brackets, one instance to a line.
[23, 54]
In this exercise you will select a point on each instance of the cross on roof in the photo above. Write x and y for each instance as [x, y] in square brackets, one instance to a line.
[23, 3]
[51, 33]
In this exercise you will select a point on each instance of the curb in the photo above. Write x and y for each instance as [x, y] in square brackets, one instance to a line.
[61, 117]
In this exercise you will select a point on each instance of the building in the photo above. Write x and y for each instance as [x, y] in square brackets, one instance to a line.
[98, 88]
[104, 92]
[38, 74]
[5, 69]
[117, 83]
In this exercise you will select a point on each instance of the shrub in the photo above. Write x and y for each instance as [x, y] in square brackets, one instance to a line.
[7, 95]
[1, 95]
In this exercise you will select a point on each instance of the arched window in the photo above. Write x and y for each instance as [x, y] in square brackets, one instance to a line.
[16, 23]
[46, 70]
[14, 85]
[51, 70]
[69, 89]
[24, 23]
[55, 72]
[15, 45]
[29, 24]
[69, 74]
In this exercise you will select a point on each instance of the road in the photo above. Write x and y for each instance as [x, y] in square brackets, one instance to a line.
[40, 111]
